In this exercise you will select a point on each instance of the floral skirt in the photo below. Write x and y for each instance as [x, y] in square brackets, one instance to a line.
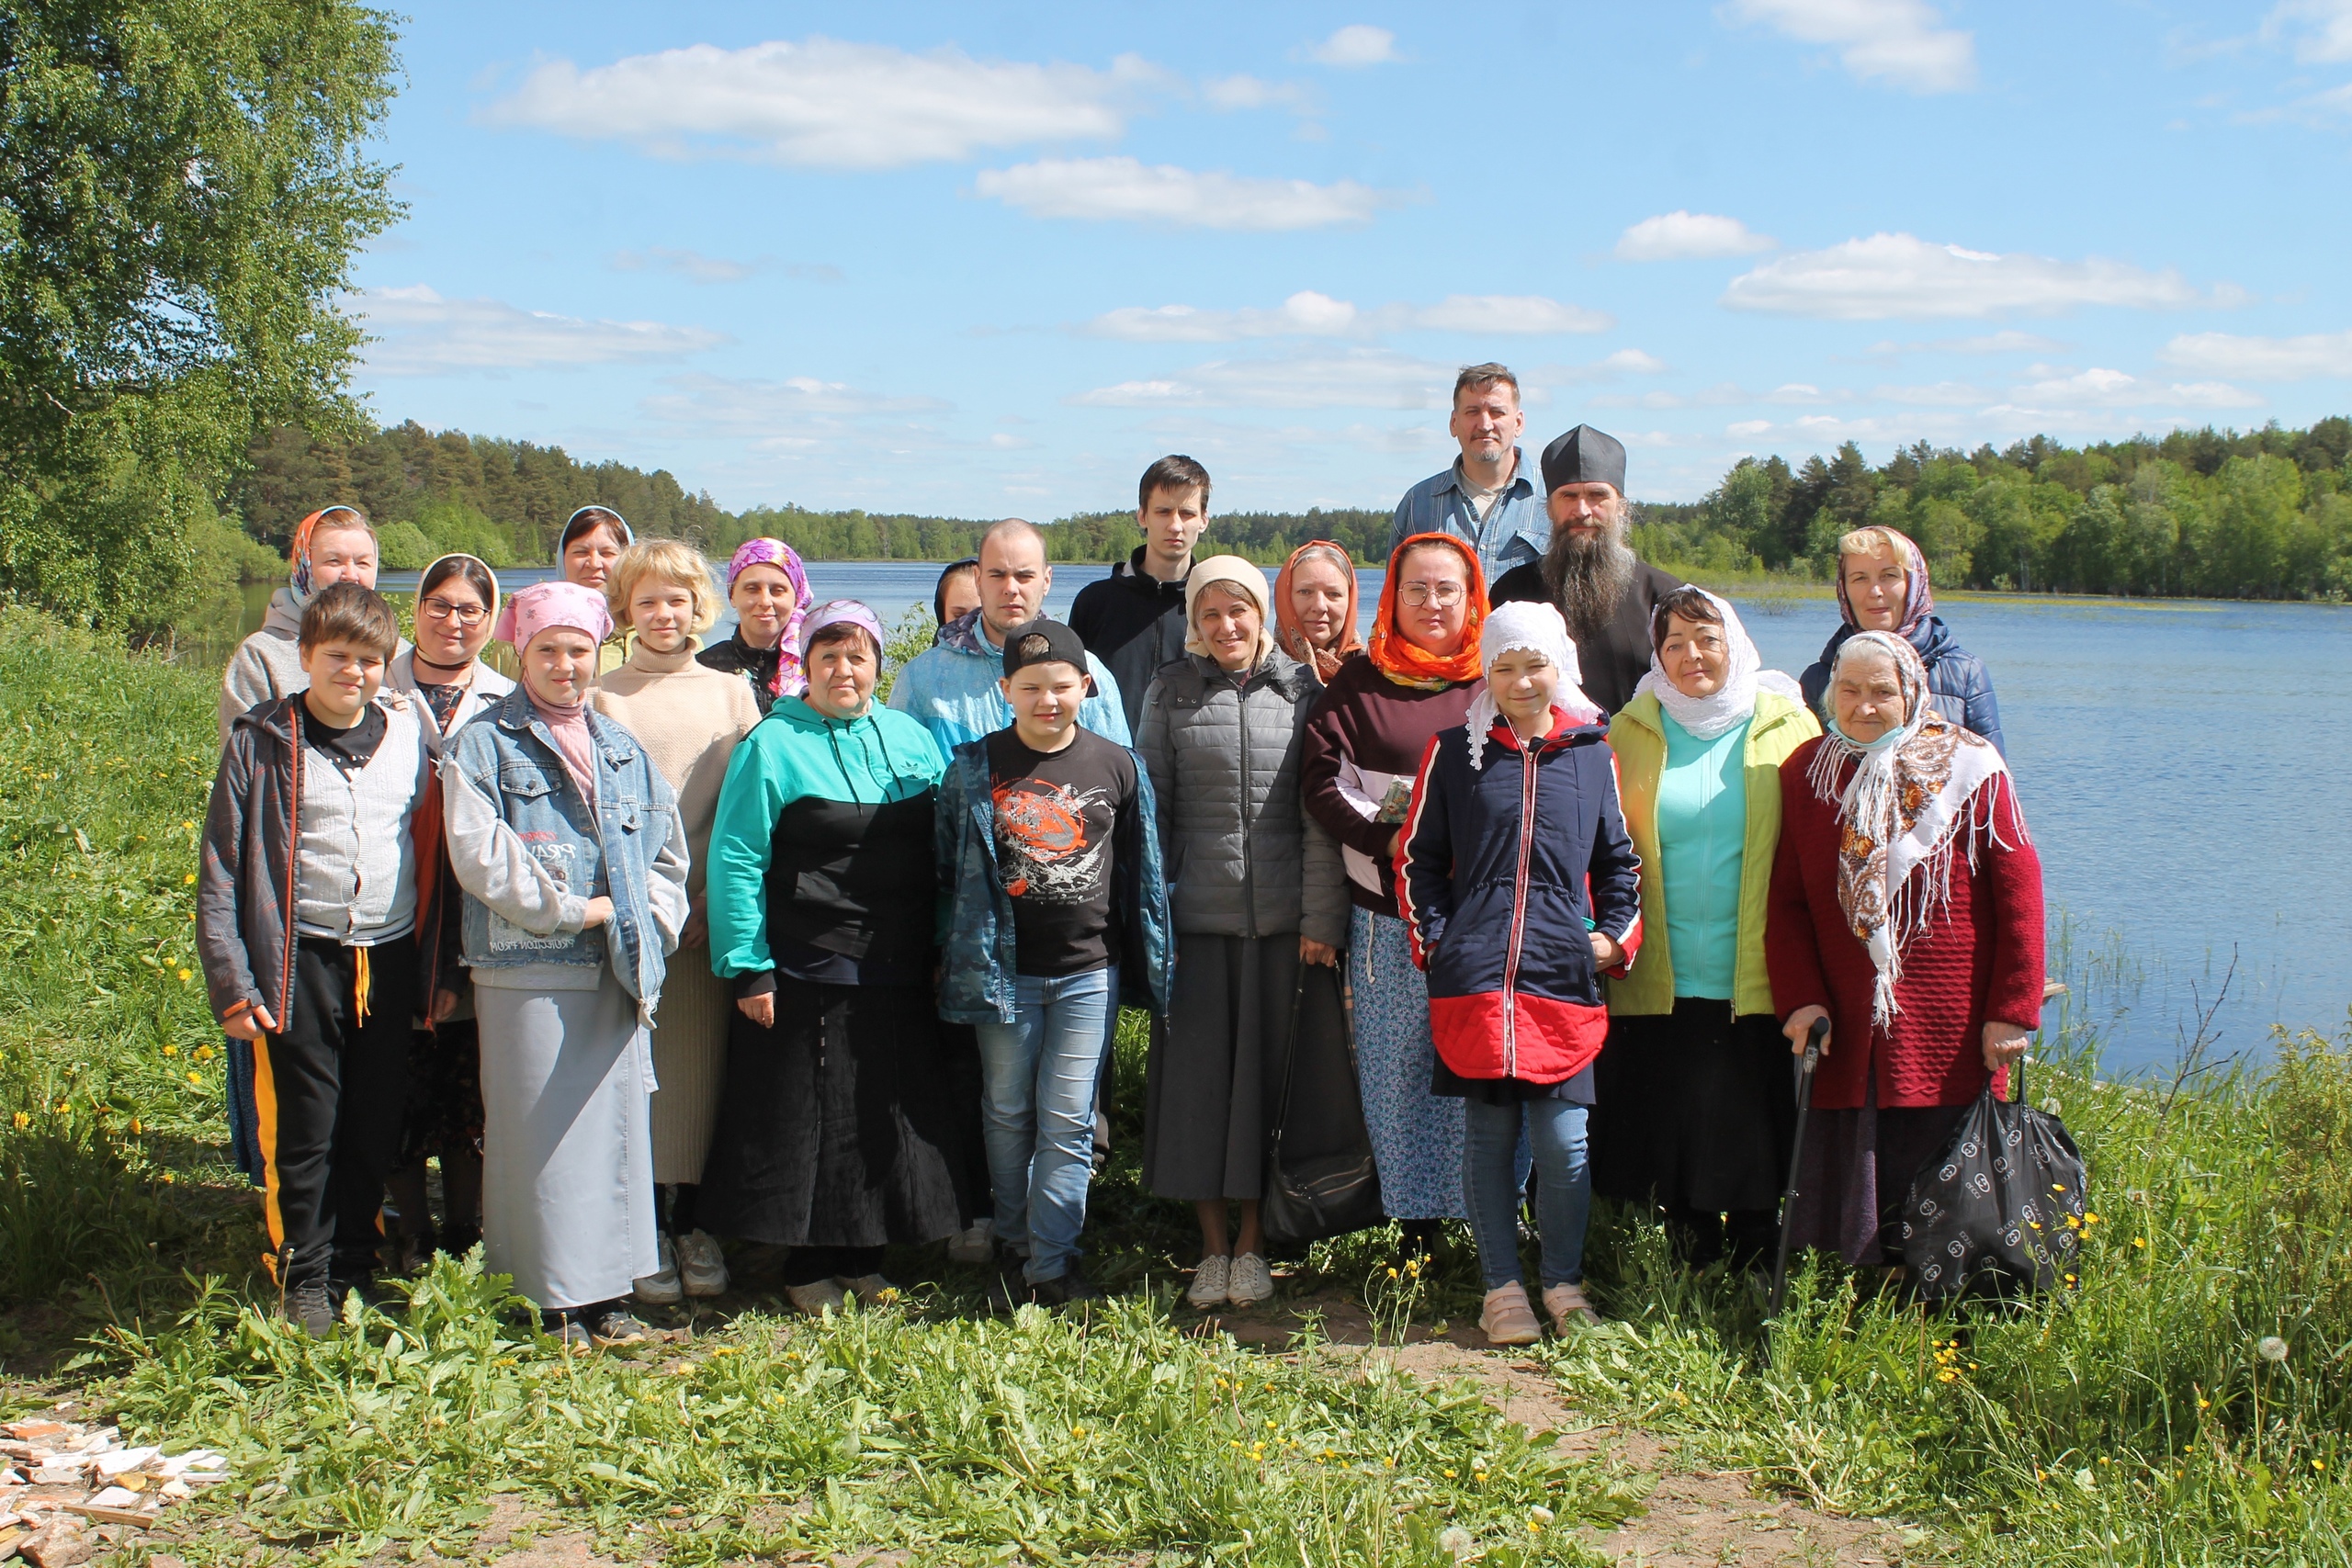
[1416, 1135]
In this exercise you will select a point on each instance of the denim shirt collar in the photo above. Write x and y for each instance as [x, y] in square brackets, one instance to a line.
[1534, 524]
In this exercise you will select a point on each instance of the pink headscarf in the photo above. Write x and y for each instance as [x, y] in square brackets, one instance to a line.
[545, 604]
[540, 607]
[789, 682]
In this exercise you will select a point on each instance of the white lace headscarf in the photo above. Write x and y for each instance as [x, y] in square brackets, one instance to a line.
[1538, 628]
[1731, 704]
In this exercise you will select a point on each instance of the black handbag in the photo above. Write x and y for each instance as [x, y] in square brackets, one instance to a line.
[2000, 1212]
[1311, 1196]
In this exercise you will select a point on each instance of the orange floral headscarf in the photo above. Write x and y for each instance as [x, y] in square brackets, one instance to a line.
[1404, 661]
[1291, 636]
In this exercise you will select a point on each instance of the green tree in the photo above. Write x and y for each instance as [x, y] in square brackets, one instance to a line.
[181, 187]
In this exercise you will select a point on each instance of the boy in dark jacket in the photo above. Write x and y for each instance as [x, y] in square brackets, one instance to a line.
[307, 905]
[1045, 842]
[1520, 888]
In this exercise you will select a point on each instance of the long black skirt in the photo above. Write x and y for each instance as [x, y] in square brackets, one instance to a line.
[1695, 1109]
[1214, 1078]
[848, 1123]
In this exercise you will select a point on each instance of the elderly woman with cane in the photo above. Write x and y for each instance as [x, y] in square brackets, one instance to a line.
[1906, 911]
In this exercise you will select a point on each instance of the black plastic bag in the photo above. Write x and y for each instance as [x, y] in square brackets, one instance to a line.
[1321, 1180]
[2000, 1212]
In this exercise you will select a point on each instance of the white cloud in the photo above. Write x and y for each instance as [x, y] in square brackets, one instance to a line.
[1632, 361]
[2322, 29]
[2263, 359]
[1163, 194]
[1890, 275]
[424, 333]
[2097, 389]
[1799, 393]
[824, 103]
[1722, 394]
[1679, 235]
[1903, 43]
[1255, 92]
[1312, 379]
[1310, 314]
[1941, 394]
[1355, 45]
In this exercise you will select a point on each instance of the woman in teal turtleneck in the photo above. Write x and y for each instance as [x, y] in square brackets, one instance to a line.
[1693, 1110]
[842, 1130]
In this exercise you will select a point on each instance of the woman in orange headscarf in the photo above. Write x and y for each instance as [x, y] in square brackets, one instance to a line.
[1315, 608]
[1362, 748]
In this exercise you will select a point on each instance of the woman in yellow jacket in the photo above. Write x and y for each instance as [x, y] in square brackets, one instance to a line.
[1693, 1112]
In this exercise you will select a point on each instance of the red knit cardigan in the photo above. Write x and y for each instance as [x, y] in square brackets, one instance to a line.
[1979, 958]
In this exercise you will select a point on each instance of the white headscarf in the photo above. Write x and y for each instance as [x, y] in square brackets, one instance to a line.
[1538, 628]
[1730, 705]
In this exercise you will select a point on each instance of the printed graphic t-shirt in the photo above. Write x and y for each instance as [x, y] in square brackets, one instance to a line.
[1057, 813]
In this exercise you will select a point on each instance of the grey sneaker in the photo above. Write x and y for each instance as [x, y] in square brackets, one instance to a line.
[612, 1327]
[817, 1299]
[309, 1305]
[702, 1268]
[1210, 1282]
[977, 1245]
[1251, 1281]
[660, 1287]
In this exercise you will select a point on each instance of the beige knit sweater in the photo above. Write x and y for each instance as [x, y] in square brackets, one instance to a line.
[688, 718]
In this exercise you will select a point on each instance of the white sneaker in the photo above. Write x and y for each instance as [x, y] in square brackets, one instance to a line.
[660, 1287]
[977, 1245]
[1211, 1280]
[1507, 1319]
[1250, 1281]
[701, 1266]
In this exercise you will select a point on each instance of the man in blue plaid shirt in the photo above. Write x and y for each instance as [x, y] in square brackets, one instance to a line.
[1490, 498]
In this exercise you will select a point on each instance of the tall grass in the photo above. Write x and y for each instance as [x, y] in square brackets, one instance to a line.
[2188, 1401]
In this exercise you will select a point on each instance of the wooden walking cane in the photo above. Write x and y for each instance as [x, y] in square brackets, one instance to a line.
[1812, 1038]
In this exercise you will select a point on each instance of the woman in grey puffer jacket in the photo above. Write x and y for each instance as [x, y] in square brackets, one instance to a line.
[1254, 891]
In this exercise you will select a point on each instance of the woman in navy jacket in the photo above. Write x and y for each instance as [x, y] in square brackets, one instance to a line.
[1520, 887]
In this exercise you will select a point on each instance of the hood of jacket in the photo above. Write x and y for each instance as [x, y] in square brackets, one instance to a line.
[1932, 637]
[285, 617]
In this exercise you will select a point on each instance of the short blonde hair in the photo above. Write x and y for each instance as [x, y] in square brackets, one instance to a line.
[1870, 541]
[672, 561]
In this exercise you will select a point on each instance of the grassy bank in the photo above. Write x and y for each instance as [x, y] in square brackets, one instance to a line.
[2142, 1419]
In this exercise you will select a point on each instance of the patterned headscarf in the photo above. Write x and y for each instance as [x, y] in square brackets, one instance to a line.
[1409, 664]
[1538, 628]
[1914, 790]
[1291, 635]
[1918, 598]
[790, 680]
[298, 554]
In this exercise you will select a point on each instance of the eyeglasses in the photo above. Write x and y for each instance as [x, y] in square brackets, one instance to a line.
[1444, 595]
[442, 610]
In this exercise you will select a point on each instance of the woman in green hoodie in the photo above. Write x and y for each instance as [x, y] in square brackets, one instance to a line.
[1693, 1111]
[840, 1132]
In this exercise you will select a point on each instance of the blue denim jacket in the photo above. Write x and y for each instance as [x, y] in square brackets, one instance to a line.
[1516, 532]
[978, 963]
[631, 850]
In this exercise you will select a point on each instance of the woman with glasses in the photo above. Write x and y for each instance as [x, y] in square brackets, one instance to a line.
[1363, 748]
[456, 599]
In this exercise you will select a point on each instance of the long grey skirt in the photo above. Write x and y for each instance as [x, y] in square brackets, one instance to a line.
[1214, 1075]
[567, 1179]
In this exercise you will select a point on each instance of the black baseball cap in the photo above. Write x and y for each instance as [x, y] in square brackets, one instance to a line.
[1043, 642]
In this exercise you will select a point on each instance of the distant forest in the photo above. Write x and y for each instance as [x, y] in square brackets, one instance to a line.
[2264, 514]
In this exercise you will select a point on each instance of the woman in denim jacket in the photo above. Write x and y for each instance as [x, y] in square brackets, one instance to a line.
[568, 846]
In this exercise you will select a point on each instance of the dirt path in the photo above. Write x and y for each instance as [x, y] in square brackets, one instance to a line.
[1696, 1517]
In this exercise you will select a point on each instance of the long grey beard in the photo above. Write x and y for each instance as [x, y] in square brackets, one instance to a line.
[1589, 580]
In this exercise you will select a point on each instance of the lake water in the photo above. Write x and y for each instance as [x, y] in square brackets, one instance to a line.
[2178, 762]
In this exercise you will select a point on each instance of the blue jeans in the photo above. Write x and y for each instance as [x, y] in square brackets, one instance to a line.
[1491, 1186]
[1037, 1077]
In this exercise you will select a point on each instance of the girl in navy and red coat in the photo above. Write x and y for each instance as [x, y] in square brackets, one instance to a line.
[1520, 888]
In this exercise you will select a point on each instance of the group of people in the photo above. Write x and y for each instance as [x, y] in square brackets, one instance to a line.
[664, 942]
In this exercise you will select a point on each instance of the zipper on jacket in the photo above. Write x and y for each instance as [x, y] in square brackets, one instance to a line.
[1249, 861]
[293, 866]
[1519, 909]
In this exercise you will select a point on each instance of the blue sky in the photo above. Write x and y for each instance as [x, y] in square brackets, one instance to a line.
[985, 260]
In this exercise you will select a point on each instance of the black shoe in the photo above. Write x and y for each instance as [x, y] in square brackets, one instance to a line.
[308, 1305]
[1064, 1289]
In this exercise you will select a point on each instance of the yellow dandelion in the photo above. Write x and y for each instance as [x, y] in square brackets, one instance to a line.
[135, 1128]
[204, 1052]
[169, 1179]
[23, 1120]
[2319, 1464]
[171, 1050]
[1449, 1475]
[1077, 1431]
[1392, 1273]
[188, 881]
[2140, 1241]
[195, 1078]
[185, 976]
[2203, 1403]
